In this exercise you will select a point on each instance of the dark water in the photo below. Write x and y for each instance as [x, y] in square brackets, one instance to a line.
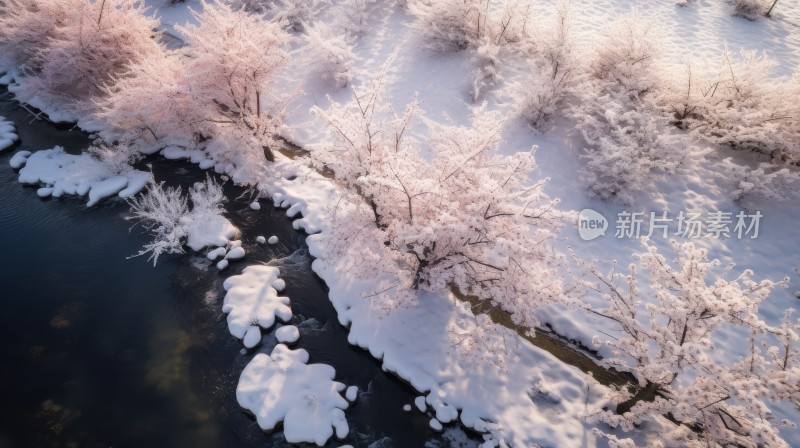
[104, 351]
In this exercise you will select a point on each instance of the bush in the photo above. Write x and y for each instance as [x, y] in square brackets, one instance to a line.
[619, 114]
[330, 54]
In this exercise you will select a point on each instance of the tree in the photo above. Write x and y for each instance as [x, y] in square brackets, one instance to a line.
[668, 345]
[231, 60]
[88, 45]
[470, 218]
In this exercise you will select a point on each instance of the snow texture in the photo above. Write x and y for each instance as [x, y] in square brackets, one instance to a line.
[273, 239]
[305, 397]
[288, 334]
[61, 173]
[8, 134]
[19, 159]
[252, 301]
[351, 394]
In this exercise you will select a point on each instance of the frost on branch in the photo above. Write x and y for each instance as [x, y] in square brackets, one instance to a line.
[618, 113]
[70, 49]
[469, 217]
[666, 345]
[165, 213]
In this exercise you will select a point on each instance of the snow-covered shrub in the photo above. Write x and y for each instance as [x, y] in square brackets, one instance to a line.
[739, 104]
[470, 218]
[165, 213]
[619, 115]
[486, 73]
[455, 25]
[766, 181]
[296, 14]
[91, 43]
[118, 158]
[354, 16]
[554, 68]
[330, 54]
[668, 346]
[231, 60]
[751, 9]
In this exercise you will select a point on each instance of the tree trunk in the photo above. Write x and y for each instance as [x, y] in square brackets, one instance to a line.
[769, 11]
[647, 393]
[268, 154]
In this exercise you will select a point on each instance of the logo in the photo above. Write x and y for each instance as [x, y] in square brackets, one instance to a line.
[591, 224]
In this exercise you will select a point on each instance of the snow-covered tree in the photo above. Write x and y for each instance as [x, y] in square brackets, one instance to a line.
[151, 105]
[296, 14]
[231, 60]
[91, 43]
[619, 114]
[469, 217]
[330, 54]
[669, 346]
[26, 26]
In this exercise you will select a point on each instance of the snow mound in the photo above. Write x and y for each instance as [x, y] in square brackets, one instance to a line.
[216, 253]
[255, 206]
[8, 134]
[19, 159]
[222, 264]
[351, 393]
[287, 334]
[273, 239]
[214, 231]
[252, 301]
[235, 254]
[260, 239]
[61, 173]
[283, 387]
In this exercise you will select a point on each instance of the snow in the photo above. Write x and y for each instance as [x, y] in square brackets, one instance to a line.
[282, 387]
[407, 407]
[288, 334]
[216, 253]
[419, 402]
[235, 254]
[260, 239]
[212, 231]
[252, 301]
[351, 393]
[222, 264]
[435, 425]
[19, 159]
[8, 134]
[252, 337]
[255, 205]
[62, 173]
[273, 239]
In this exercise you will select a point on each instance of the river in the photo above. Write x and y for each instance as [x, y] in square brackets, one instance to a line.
[103, 350]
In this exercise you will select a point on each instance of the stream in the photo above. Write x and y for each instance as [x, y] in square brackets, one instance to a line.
[103, 350]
